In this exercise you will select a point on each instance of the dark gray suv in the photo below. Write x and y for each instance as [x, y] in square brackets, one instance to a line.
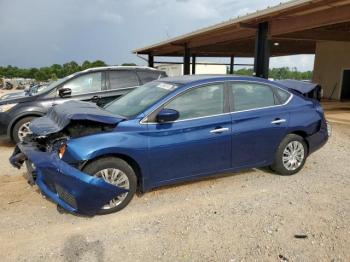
[99, 85]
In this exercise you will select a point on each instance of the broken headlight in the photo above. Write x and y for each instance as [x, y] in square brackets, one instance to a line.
[7, 107]
[62, 150]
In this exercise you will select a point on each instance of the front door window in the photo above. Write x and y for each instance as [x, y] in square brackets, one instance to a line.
[85, 84]
[199, 102]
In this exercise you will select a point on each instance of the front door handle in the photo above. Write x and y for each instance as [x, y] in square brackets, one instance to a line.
[219, 130]
[278, 121]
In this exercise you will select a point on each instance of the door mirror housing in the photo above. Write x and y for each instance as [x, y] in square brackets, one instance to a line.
[65, 92]
[167, 115]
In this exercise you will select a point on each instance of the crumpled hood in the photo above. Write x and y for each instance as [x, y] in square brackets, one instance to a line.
[58, 117]
[300, 86]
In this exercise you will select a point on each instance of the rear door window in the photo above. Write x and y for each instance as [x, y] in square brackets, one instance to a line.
[148, 76]
[246, 96]
[122, 79]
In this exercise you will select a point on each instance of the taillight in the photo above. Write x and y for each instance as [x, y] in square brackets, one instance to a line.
[329, 129]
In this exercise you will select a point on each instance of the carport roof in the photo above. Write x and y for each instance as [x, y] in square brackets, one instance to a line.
[294, 28]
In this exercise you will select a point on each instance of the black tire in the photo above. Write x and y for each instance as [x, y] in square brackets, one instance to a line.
[114, 162]
[15, 135]
[278, 165]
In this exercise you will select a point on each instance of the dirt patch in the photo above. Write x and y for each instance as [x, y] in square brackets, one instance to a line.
[251, 215]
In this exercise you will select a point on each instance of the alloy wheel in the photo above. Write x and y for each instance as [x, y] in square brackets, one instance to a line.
[293, 155]
[117, 178]
[23, 131]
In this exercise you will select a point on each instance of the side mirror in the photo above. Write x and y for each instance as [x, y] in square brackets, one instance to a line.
[167, 115]
[65, 92]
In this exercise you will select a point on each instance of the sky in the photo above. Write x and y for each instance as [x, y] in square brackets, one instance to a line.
[35, 33]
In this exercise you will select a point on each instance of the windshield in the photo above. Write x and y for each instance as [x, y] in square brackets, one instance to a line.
[34, 90]
[139, 99]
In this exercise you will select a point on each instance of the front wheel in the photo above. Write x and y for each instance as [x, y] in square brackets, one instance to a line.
[116, 172]
[290, 156]
[21, 129]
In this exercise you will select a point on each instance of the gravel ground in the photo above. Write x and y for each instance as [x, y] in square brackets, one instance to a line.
[247, 216]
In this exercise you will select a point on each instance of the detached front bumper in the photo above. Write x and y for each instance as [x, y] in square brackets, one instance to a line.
[69, 187]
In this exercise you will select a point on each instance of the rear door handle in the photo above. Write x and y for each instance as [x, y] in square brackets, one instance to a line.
[278, 121]
[219, 130]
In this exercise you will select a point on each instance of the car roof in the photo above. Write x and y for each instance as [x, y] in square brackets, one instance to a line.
[105, 68]
[192, 79]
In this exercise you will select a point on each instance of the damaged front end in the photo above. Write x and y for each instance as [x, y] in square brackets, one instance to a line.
[59, 179]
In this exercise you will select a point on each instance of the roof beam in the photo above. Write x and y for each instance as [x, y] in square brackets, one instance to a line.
[292, 24]
[249, 26]
[324, 35]
[246, 48]
[224, 37]
[293, 48]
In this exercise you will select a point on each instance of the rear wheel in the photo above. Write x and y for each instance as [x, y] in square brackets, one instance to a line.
[21, 129]
[290, 156]
[116, 172]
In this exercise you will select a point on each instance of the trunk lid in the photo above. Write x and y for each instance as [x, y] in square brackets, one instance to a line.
[308, 89]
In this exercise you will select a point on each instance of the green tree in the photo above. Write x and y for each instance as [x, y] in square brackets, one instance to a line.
[86, 64]
[41, 76]
[32, 72]
[98, 63]
[129, 64]
[71, 67]
[53, 77]
[279, 73]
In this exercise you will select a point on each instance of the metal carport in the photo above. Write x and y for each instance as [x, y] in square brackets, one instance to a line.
[292, 28]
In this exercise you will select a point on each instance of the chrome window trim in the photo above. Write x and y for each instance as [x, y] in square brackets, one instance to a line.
[143, 120]
[123, 88]
[188, 119]
[104, 91]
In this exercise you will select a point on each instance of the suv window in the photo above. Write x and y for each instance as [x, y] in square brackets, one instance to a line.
[199, 102]
[250, 96]
[122, 79]
[148, 76]
[88, 83]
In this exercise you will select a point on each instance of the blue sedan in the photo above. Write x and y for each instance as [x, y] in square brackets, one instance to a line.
[91, 160]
